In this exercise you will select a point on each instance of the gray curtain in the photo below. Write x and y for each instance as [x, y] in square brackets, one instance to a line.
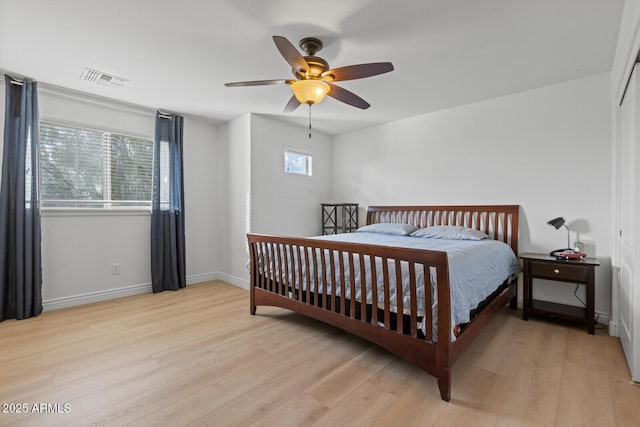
[168, 267]
[20, 262]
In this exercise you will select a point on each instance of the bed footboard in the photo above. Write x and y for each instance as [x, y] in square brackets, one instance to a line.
[360, 289]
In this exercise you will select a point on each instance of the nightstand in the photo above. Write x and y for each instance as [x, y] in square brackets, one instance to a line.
[339, 218]
[540, 266]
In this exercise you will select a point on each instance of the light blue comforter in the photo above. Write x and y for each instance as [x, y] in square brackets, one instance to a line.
[476, 267]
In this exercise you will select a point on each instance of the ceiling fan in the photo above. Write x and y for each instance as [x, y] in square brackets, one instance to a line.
[314, 77]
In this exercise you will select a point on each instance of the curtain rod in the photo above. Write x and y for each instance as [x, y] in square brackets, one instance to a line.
[16, 80]
[168, 116]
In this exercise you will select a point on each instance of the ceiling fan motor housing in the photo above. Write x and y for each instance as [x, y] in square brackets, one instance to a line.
[317, 65]
[310, 45]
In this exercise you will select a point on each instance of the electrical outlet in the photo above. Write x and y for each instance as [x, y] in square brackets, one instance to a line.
[115, 269]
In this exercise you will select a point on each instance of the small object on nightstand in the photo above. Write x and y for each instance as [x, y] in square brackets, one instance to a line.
[569, 254]
[579, 271]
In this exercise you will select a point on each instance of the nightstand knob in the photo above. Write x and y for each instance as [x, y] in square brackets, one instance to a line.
[556, 271]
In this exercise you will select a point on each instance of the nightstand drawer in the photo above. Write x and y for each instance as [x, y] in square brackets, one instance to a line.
[558, 272]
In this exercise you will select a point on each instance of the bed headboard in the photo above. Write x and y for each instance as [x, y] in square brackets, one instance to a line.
[499, 222]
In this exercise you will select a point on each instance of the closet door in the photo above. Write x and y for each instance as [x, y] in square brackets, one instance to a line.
[628, 182]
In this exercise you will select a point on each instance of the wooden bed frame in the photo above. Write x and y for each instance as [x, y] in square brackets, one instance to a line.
[292, 260]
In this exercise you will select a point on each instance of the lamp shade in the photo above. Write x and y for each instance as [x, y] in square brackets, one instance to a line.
[560, 222]
[310, 91]
[556, 222]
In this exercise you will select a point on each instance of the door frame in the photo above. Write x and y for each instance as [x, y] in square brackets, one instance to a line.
[628, 50]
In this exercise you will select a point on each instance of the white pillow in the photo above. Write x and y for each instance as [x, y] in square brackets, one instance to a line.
[455, 232]
[389, 228]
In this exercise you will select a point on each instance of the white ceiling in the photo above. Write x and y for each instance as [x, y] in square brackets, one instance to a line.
[179, 54]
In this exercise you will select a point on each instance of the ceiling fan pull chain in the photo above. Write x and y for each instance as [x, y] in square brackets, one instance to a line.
[309, 121]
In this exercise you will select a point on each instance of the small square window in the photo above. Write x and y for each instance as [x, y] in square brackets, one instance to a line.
[297, 162]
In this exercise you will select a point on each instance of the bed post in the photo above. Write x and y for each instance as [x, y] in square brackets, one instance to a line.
[444, 383]
[515, 215]
[252, 277]
[443, 349]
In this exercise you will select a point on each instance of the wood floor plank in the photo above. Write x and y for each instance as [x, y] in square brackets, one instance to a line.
[546, 344]
[196, 357]
[585, 383]
[395, 376]
[533, 396]
[504, 351]
[477, 399]
[626, 403]
[418, 406]
[202, 370]
[302, 410]
[362, 407]
[338, 384]
[223, 391]
[271, 394]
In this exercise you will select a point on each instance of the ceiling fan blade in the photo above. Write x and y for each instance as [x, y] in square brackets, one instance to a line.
[347, 97]
[259, 83]
[292, 105]
[352, 72]
[291, 54]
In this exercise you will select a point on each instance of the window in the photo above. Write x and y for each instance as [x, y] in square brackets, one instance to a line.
[297, 162]
[165, 173]
[88, 168]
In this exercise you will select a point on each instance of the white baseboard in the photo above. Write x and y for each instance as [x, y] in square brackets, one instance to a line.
[125, 291]
[199, 278]
[602, 318]
[613, 329]
[232, 280]
[90, 297]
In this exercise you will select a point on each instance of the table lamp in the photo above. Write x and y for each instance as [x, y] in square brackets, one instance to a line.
[557, 223]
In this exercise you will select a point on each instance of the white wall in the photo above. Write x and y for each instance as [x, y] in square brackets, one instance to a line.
[517, 149]
[258, 195]
[78, 249]
[202, 187]
[235, 175]
[283, 203]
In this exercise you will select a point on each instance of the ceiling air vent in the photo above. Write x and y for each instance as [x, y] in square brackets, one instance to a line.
[103, 79]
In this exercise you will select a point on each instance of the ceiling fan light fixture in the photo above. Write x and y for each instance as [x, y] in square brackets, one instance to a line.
[310, 91]
[314, 77]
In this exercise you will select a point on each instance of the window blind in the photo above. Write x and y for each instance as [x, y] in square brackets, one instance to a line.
[88, 168]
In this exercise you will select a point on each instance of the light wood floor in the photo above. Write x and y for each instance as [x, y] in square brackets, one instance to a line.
[196, 357]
